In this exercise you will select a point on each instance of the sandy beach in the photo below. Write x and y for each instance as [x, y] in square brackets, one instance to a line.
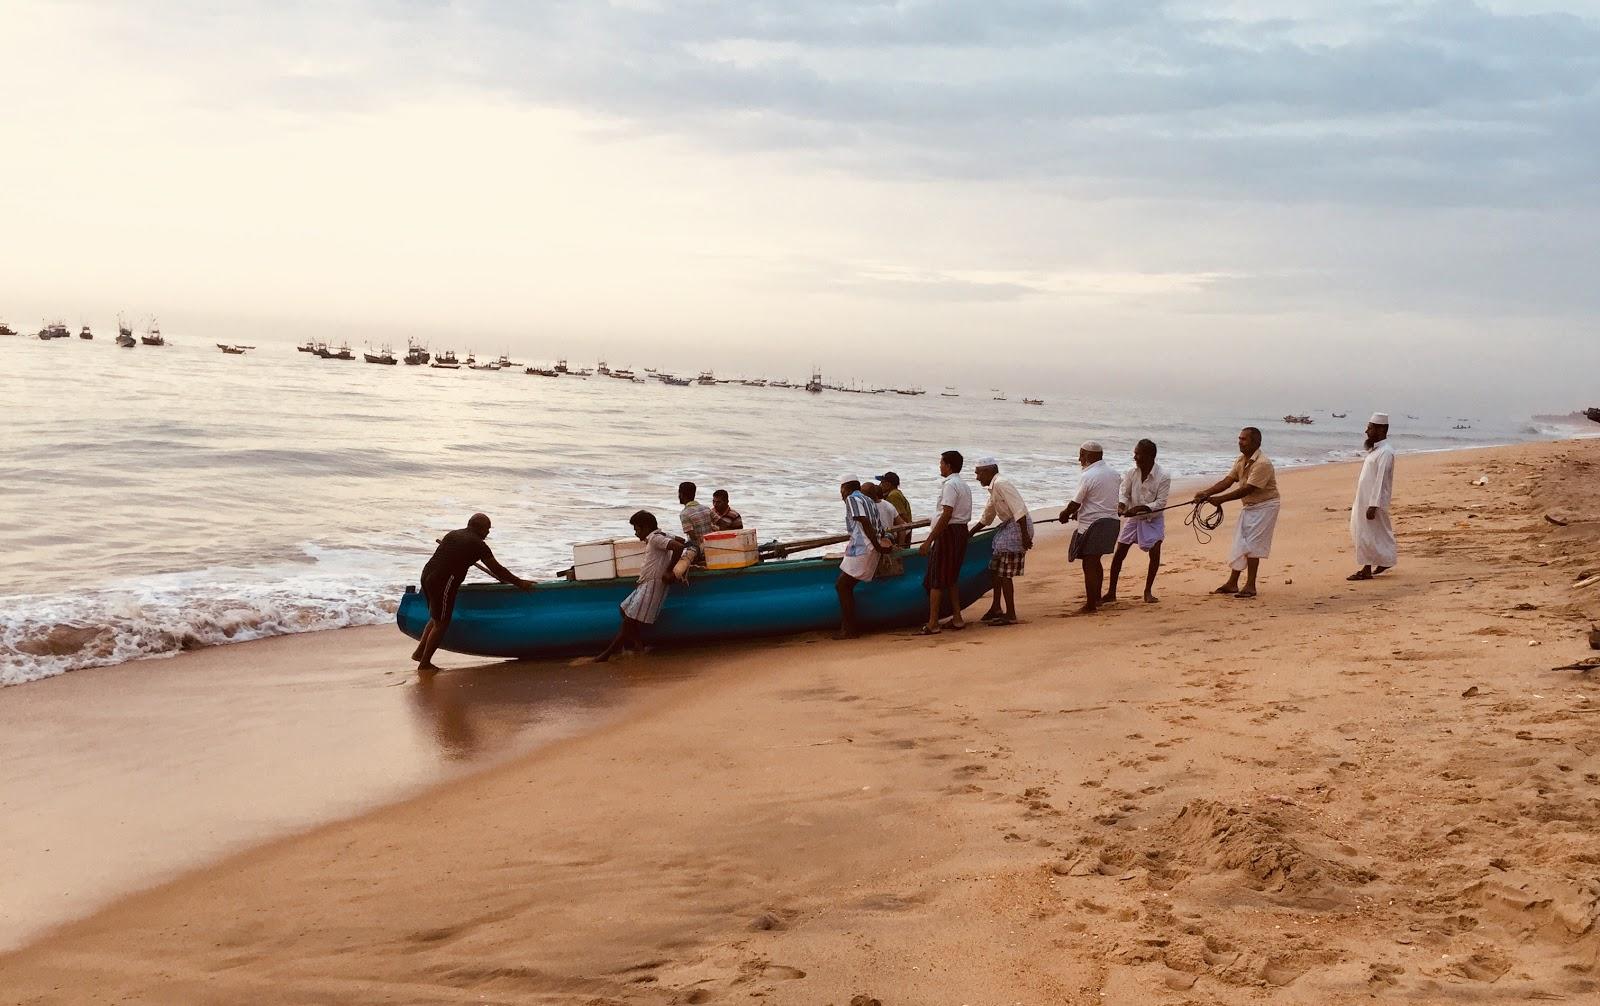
[1333, 793]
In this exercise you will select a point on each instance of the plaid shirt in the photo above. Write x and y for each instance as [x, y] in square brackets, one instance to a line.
[730, 521]
[697, 523]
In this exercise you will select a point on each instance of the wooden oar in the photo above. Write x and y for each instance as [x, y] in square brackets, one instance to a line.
[783, 549]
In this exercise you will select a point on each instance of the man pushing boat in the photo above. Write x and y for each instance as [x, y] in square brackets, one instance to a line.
[442, 576]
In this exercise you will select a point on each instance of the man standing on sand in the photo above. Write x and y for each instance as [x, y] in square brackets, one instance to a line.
[442, 577]
[1095, 507]
[946, 545]
[642, 607]
[1011, 542]
[1145, 488]
[860, 561]
[890, 483]
[1257, 490]
[1370, 528]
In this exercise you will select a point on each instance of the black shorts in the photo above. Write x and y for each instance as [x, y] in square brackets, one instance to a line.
[439, 591]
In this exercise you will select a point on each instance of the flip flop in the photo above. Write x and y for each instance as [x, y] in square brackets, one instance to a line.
[1001, 623]
[925, 631]
[1226, 590]
[1244, 595]
[1358, 575]
[956, 628]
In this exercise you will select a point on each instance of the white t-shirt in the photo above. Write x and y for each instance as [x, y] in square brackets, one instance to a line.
[957, 495]
[887, 514]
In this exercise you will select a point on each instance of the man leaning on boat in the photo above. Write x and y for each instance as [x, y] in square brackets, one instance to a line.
[458, 551]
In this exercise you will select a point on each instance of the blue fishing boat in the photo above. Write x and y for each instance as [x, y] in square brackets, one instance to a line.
[775, 598]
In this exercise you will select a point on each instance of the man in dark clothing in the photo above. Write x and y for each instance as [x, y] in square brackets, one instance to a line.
[442, 577]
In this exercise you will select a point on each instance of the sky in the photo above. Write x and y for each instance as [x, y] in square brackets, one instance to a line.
[1302, 202]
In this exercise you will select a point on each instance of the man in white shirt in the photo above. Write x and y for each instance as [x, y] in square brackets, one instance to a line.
[889, 563]
[946, 547]
[1145, 488]
[1011, 542]
[1095, 508]
[1370, 528]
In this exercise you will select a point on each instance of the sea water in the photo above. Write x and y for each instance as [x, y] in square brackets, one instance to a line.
[163, 499]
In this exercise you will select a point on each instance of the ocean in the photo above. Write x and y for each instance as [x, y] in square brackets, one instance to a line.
[161, 499]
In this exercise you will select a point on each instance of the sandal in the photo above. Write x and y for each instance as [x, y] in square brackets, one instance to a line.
[925, 631]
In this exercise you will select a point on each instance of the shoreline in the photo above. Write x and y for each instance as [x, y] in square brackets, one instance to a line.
[938, 757]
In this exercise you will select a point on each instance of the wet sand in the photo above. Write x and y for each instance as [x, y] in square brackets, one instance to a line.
[117, 778]
[1332, 793]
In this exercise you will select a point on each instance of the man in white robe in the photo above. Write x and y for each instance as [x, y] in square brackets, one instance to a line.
[1370, 527]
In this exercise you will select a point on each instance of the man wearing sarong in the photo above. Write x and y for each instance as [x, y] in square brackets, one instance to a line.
[946, 546]
[642, 607]
[1145, 488]
[442, 577]
[1011, 542]
[860, 563]
[1370, 527]
[1095, 508]
[1257, 483]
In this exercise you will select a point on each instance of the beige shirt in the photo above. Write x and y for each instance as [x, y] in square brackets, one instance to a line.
[1005, 503]
[1255, 471]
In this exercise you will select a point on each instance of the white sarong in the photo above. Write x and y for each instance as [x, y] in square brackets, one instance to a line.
[1252, 536]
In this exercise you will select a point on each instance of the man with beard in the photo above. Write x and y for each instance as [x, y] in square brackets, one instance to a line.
[1370, 528]
[1095, 508]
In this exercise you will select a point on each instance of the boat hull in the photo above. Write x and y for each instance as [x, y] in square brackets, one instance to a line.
[563, 618]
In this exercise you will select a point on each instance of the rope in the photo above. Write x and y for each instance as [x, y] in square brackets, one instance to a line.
[1203, 521]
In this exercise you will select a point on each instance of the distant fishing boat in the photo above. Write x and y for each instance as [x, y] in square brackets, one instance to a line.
[123, 330]
[384, 356]
[602, 369]
[1000, 397]
[561, 366]
[706, 377]
[1033, 401]
[416, 353]
[542, 372]
[306, 347]
[6, 329]
[1338, 415]
[814, 386]
[949, 392]
[1593, 414]
[622, 374]
[1298, 420]
[233, 350]
[85, 334]
[676, 382]
[152, 334]
[446, 360]
[54, 330]
[774, 598]
[505, 362]
[126, 340]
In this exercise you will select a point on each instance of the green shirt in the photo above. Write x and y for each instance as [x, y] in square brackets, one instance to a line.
[901, 505]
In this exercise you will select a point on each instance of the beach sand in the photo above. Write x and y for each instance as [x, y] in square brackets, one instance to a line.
[1333, 793]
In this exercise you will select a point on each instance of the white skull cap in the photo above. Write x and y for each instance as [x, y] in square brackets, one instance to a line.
[1092, 446]
[1380, 418]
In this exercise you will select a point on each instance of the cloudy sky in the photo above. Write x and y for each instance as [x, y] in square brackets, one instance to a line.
[1206, 199]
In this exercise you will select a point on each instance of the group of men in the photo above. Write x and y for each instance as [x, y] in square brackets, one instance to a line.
[1114, 512]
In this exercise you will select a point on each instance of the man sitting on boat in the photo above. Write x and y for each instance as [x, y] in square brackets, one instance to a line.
[643, 606]
[442, 576]
[723, 516]
[697, 523]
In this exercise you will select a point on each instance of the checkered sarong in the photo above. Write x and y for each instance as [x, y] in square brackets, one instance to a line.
[1007, 563]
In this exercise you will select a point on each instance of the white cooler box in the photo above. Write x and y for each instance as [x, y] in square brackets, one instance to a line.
[731, 549]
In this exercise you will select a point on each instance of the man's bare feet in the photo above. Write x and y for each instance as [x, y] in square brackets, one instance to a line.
[1245, 593]
[1088, 609]
[1226, 588]
[1109, 599]
[1150, 598]
[416, 654]
[427, 668]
